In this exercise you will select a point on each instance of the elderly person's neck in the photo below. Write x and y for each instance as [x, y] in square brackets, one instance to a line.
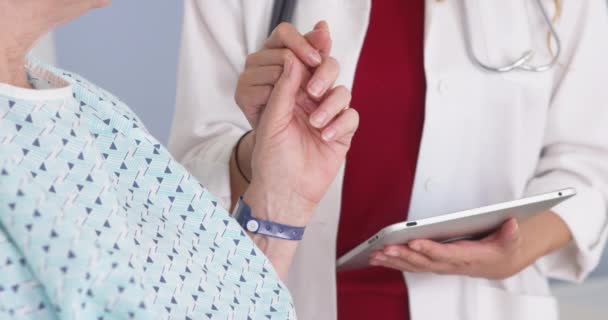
[16, 39]
[23, 22]
[12, 63]
[20, 27]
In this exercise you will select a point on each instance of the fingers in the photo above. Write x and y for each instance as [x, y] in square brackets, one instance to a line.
[269, 57]
[494, 257]
[282, 100]
[320, 38]
[402, 253]
[285, 35]
[403, 258]
[324, 77]
[252, 96]
[286, 43]
[276, 58]
[334, 103]
[256, 82]
[437, 251]
[342, 128]
[262, 75]
[254, 88]
[381, 259]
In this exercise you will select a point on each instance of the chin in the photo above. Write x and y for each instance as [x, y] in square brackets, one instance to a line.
[101, 3]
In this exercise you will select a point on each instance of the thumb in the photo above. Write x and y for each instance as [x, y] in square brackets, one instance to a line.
[279, 108]
[509, 234]
[320, 38]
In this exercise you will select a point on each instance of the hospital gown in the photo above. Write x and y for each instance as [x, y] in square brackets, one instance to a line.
[97, 221]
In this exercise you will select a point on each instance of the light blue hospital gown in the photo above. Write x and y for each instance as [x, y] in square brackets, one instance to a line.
[97, 221]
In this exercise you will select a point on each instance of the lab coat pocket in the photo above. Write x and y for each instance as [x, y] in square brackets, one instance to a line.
[498, 304]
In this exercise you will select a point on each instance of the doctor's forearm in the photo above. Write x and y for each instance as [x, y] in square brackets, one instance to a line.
[541, 235]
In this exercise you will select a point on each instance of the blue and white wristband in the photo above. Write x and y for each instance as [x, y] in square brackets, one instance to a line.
[242, 214]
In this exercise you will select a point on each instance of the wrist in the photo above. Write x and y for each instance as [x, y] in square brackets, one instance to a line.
[278, 205]
[279, 252]
[266, 205]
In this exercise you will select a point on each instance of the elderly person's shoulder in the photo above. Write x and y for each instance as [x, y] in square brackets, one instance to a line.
[85, 191]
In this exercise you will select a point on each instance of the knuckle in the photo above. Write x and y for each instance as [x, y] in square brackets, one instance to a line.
[287, 55]
[242, 101]
[267, 91]
[407, 256]
[428, 251]
[283, 29]
[239, 99]
[250, 60]
[238, 93]
[465, 263]
[424, 264]
[276, 71]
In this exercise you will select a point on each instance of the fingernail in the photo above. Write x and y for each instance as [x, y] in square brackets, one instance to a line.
[415, 246]
[316, 87]
[374, 262]
[380, 257]
[318, 119]
[328, 135]
[315, 58]
[392, 253]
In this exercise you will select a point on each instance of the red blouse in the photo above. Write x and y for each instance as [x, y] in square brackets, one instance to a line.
[389, 93]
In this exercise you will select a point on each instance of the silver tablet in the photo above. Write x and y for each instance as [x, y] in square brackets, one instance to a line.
[454, 226]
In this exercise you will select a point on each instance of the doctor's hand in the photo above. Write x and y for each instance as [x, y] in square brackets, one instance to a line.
[493, 257]
[263, 68]
[500, 255]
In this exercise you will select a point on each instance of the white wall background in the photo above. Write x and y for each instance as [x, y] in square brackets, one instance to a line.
[130, 48]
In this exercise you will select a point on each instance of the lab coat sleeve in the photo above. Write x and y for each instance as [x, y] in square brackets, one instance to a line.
[207, 122]
[575, 151]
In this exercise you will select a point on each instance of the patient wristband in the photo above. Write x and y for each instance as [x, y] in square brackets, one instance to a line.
[242, 214]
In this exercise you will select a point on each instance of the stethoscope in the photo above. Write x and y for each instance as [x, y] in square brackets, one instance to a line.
[282, 11]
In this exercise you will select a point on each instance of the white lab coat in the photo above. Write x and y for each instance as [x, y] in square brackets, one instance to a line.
[487, 137]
